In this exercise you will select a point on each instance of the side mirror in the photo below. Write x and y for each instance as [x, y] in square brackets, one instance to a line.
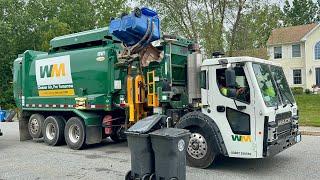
[230, 76]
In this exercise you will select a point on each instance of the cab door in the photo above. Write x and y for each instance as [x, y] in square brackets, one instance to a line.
[234, 115]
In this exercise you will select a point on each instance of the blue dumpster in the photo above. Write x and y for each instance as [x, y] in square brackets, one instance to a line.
[2, 115]
[132, 28]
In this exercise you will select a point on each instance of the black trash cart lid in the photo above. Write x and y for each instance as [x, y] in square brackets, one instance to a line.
[145, 125]
[170, 133]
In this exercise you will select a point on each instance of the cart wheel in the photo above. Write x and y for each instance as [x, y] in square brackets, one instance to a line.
[128, 176]
[145, 177]
[137, 12]
[152, 177]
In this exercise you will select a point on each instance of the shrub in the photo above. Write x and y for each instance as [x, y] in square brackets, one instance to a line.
[307, 91]
[297, 90]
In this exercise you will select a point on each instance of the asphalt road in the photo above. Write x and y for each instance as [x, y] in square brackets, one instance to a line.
[35, 160]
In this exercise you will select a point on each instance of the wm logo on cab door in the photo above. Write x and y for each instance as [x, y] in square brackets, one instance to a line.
[241, 138]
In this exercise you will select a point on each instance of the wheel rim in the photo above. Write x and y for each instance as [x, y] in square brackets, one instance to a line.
[50, 131]
[34, 126]
[74, 133]
[197, 147]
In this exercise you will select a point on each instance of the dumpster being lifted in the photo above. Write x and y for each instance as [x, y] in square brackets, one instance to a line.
[142, 25]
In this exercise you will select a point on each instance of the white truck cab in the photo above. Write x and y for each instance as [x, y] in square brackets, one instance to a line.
[260, 122]
[248, 111]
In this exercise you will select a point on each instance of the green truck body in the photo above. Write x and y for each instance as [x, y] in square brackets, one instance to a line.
[81, 77]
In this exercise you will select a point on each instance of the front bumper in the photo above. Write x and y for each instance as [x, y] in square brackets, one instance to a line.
[281, 144]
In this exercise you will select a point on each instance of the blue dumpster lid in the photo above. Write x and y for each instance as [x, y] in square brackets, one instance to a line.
[170, 133]
[148, 12]
[145, 125]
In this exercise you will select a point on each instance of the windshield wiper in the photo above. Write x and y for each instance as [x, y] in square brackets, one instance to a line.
[288, 99]
[283, 94]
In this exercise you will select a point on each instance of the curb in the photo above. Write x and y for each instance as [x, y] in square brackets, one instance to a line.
[310, 133]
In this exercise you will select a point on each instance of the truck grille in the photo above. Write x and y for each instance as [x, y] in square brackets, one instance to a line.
[284, 124]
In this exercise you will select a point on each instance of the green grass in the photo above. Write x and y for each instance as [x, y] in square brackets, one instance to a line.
[309, 109]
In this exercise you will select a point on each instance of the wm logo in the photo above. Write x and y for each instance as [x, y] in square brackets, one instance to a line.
[54, 70]
[241, 138]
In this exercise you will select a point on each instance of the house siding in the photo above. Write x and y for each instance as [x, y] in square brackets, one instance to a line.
[306, 62]
[311, 63]
[289, 63]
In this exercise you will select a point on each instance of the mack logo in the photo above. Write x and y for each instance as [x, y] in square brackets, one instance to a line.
[54, 70]
[241, 138]
[284, 121]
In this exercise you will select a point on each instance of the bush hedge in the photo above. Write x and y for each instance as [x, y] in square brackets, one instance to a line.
[297, 90]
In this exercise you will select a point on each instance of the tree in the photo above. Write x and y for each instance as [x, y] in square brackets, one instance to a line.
[107, 9]
[256, 25]
[240, 6]
[300, 12]
[200, 20]
[31, 24]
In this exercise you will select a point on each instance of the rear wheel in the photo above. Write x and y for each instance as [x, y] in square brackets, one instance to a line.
[74, 133]
[200, 152]
[53, 130]
[35, 125]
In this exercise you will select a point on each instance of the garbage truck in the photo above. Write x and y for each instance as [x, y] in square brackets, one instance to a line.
[96, 84]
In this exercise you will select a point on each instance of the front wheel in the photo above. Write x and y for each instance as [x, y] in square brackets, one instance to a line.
[200, 152]
[74, 133]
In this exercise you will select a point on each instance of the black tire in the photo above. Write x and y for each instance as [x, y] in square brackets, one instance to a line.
[145, 177]
[75, 134]
[152, 177]
[128, 176]
[210, 155]
[115, 138]
[53, 130]
[35, 125]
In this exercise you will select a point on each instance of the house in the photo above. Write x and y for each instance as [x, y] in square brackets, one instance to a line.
[297, 49]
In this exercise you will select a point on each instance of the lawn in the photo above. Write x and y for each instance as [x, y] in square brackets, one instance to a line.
[309, 109]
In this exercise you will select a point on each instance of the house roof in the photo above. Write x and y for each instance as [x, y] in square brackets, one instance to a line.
[290, 34]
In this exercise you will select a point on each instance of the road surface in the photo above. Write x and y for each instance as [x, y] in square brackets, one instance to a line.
[35, 160]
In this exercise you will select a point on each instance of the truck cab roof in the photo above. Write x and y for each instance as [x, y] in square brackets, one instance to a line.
[217, 61]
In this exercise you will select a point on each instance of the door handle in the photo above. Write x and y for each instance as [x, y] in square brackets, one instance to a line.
[221, 108]
[241, 107]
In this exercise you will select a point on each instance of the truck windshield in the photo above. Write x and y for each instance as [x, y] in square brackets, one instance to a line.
[281, 81]
[266, 84]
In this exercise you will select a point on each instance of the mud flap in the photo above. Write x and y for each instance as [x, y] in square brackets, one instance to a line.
[23, 128]
[93, 134]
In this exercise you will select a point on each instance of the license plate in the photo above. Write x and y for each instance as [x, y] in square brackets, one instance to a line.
[298, 138]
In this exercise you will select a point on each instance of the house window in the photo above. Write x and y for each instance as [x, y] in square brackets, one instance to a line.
[317, 51]
[297, 76]
[277, 52]
[296, 51]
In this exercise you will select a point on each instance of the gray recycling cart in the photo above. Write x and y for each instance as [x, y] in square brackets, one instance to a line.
[142, 156]
[169, 146]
